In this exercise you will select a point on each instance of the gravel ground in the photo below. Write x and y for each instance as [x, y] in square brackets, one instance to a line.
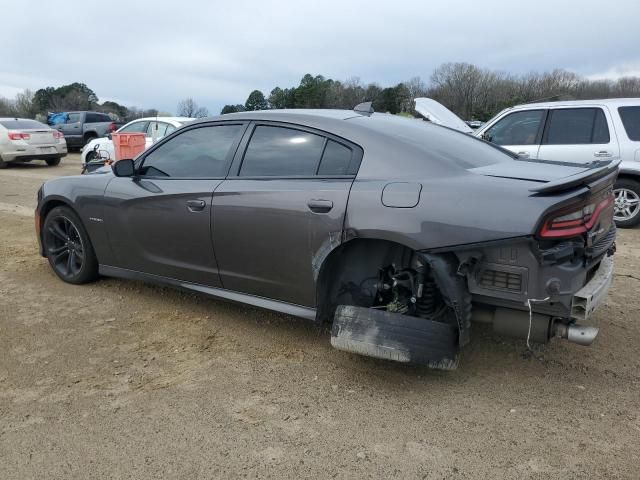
[124, 380]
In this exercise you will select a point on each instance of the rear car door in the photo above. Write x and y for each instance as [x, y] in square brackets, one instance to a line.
[519, 132]
[159, 222]
[281, 207]
[579, 135]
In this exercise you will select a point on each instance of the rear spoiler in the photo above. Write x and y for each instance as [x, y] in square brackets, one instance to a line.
[580, 179]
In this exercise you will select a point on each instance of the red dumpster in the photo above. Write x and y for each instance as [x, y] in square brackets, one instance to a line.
[127, 145]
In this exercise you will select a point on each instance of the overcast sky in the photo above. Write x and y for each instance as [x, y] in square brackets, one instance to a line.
[155, 53]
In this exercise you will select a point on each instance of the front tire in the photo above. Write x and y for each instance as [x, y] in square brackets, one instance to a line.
[68, 248]
[53, 162]
[627, 202]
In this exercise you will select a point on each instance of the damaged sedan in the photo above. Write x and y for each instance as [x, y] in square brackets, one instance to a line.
[396, 231]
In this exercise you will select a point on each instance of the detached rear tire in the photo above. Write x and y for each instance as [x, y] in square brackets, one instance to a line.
[627, 202]
[68, 247]
[53, 162]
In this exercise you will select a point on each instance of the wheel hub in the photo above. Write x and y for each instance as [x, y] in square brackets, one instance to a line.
[626, 205]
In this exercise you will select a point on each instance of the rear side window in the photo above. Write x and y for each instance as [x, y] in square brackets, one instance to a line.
[576, 126]
[23, 125]
[336, 160]
[631, 120]
[282, 152]
[73, 117]
[203, 152]
[518, 128]
[138, 127]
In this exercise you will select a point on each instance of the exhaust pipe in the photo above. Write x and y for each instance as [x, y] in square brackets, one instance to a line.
[580, 334]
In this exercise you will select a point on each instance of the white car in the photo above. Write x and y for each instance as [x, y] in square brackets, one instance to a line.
[579, 131]
[154, 129]
[23, 140]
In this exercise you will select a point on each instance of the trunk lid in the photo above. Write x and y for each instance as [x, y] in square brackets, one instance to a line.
[40, 137]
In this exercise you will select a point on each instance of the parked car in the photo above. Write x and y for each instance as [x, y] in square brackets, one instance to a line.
[79, 128]
[397, 230]
[580, 132]
[154, 129]
[24, 140]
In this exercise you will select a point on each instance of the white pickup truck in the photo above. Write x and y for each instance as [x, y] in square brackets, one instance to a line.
[580, 131]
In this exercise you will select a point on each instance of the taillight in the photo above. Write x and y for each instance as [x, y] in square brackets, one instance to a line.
[58, 135]
[576, 220]
[18, 136]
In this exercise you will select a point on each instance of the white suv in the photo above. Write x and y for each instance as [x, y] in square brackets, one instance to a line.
[579, 131]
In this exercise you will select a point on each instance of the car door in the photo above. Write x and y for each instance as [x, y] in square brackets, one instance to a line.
[519, 132]
[578, 135]
[72, 128]
[281, 207]
[159, 221]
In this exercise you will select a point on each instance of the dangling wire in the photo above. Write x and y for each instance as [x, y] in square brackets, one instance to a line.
[529, 302]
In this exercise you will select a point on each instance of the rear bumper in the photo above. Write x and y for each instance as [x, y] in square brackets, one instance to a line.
[35, 152]
[590, 297]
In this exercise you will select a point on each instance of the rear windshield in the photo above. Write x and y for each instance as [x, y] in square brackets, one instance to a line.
[631, 120]
[22, 124]
[439, 143]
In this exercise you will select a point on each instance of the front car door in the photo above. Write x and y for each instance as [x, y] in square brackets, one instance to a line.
[159, 222]
[579, 135]
[72, 128]
[519, 132]
[281, 209]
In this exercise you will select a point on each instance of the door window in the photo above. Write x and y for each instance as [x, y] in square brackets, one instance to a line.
[282, 152]
[576, 126]
[518, 128]
[159, 133]
[135, 127]
[203, 152]
[631, 120]
[336, 160]
[73, 118]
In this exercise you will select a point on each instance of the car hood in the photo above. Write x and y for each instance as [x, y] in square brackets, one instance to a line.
[439, 114]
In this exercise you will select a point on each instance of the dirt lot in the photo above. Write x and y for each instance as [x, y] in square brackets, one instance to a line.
[124, 380]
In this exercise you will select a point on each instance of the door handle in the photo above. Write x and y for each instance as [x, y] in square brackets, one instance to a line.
[320, 206]
[523, 154]
[196, 205]
[602, 153]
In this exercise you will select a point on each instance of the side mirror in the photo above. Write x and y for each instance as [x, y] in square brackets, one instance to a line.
[124, 168]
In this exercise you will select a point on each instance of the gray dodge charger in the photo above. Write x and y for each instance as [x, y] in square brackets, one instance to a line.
[397, 231]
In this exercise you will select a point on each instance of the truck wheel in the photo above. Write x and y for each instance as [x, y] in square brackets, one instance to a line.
[627, 202]
[68, 247]
[88, 138]
[53, 162]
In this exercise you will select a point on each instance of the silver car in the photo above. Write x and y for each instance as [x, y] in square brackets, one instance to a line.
[23, 140]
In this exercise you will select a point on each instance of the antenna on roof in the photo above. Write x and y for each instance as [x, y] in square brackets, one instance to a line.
[365, 108]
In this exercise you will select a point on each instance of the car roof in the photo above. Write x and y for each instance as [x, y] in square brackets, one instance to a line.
[614, 102]
[163, 119]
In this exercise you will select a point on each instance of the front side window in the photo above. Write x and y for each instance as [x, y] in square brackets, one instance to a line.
[631, 120]
[157, 130]
[576, 126]
[518, 128]
[73, 117]
[282, 152]
[135, 127]
[197, 153]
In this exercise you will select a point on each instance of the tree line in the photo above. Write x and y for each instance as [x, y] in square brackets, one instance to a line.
[473, 93]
